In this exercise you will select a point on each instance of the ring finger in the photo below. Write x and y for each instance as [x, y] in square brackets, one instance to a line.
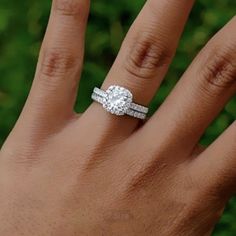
[144, 59]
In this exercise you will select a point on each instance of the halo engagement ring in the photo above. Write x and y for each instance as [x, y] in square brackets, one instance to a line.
[119, 101]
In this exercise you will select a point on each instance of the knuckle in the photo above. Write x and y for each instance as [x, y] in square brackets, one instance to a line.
[216, 187]
[146, 57]
[192, 206]
[25, 153]
[192, 209]
[57, 63]
[70, 7]
[144, 175]
[223, 184]
[220, 71]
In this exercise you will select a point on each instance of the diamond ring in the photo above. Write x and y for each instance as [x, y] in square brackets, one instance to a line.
[119, 101]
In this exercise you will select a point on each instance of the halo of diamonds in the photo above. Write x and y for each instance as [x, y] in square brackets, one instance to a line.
[118, 100]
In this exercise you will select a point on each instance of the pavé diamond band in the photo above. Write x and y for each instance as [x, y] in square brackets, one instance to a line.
[119, 101]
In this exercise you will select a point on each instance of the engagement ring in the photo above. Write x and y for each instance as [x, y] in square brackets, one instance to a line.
[119, 101]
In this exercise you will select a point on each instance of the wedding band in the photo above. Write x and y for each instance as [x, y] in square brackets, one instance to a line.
[119, 101]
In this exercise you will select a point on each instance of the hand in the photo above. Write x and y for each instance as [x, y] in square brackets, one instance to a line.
[98, 174]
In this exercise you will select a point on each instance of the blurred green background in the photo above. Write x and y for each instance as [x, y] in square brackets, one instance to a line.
[22, 26]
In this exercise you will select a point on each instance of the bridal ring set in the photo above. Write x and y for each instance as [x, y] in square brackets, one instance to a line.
[119, 101]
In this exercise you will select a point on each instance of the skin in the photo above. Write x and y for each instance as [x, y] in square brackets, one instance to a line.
[99, 174]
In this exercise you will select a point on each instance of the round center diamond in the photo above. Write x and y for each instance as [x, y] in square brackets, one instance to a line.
[117, 100]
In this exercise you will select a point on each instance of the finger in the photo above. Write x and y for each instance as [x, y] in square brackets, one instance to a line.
[217, 164]
[145, 56]
[54, 89]
[200, 94]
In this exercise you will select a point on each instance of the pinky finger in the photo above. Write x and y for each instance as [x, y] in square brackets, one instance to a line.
[216, 166]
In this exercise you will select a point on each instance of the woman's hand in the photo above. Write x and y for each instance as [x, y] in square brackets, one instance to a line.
[99, 174]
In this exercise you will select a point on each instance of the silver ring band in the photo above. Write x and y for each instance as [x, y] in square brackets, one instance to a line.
[119, 101]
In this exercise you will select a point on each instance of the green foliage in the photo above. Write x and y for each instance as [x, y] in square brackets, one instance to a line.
[22, 26]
